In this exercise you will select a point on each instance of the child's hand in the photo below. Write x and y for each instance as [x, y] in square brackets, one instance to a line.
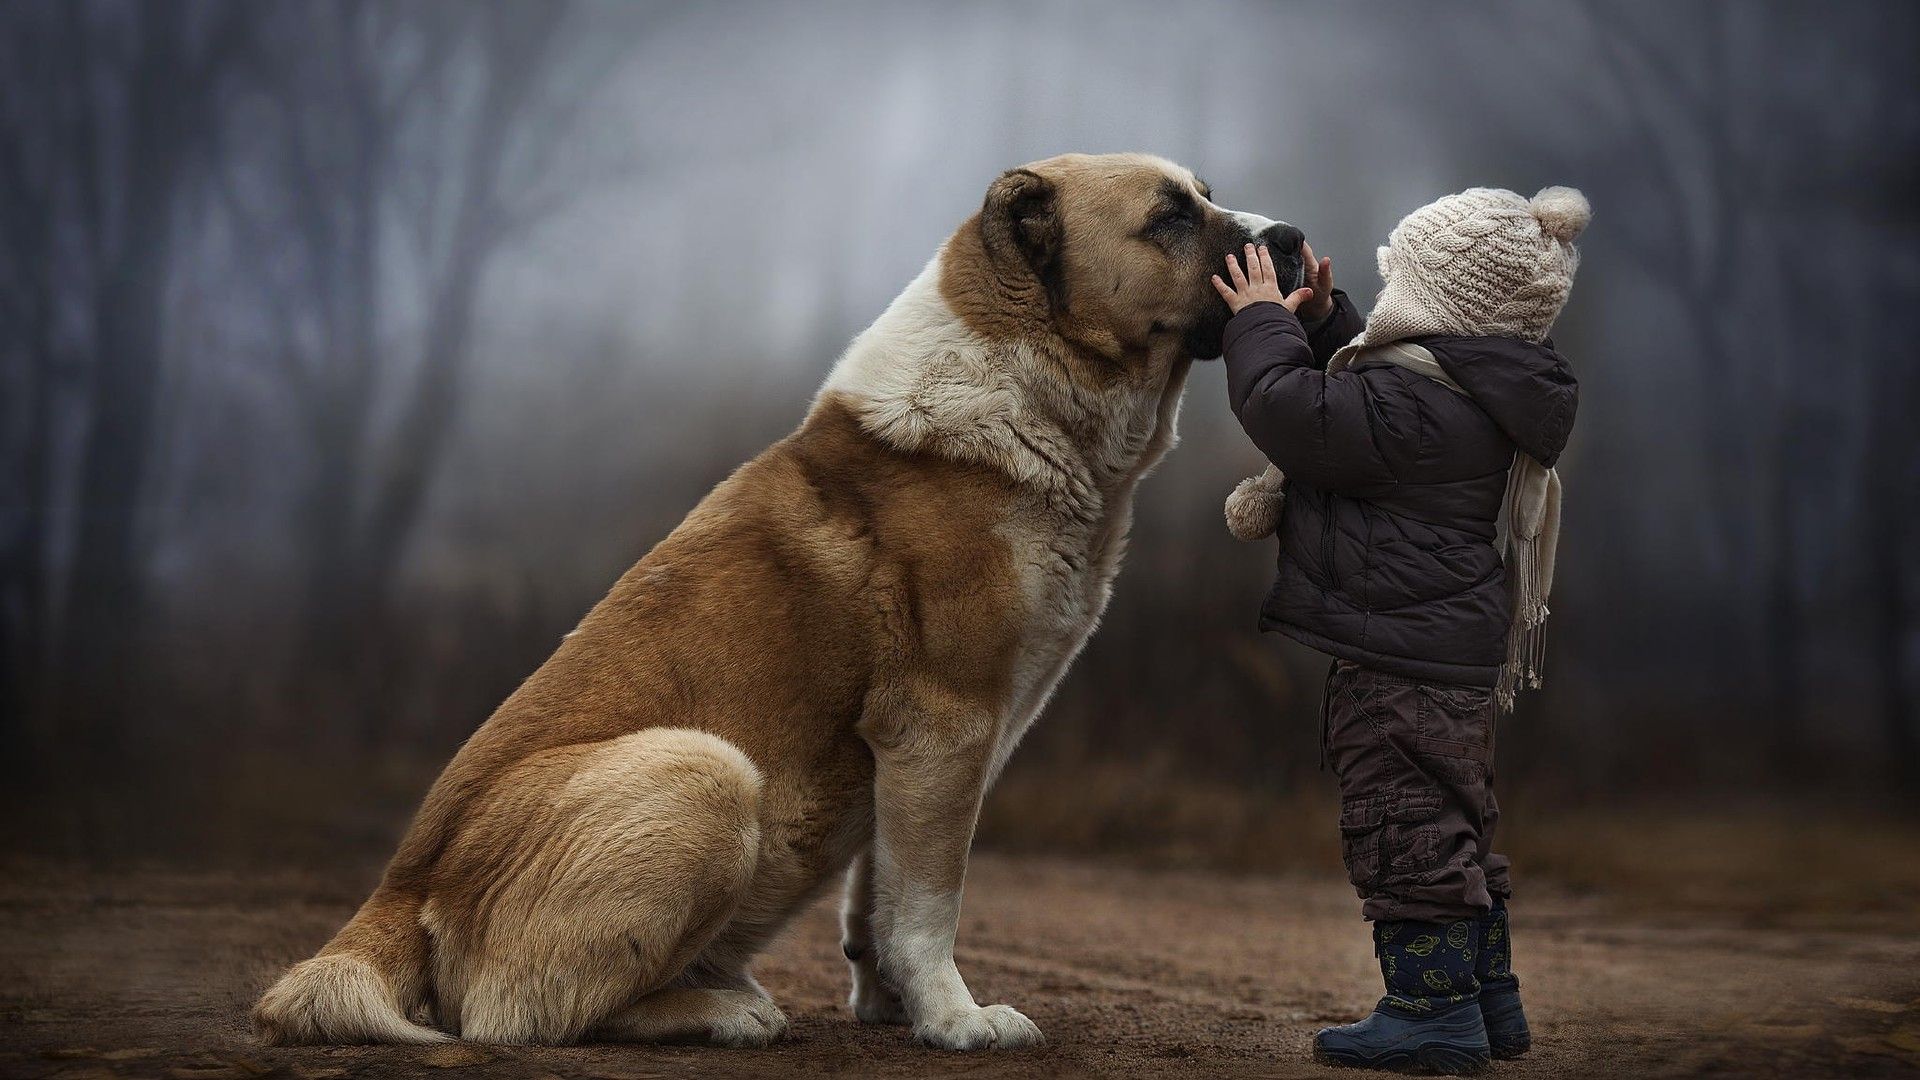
[1257, 284]
[1320, 280]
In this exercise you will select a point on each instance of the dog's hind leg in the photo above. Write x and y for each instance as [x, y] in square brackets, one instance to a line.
[593, 878]
[717, 1017]
[716, 1000]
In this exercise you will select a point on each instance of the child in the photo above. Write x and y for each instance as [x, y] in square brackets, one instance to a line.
[1401, 441]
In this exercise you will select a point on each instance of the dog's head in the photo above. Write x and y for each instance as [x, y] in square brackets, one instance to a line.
[1120, 248]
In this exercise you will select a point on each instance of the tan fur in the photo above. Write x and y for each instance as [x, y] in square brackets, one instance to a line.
[823, 667]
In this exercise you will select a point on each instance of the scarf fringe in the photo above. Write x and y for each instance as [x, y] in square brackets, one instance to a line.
[1532, 532]
[1525, 665]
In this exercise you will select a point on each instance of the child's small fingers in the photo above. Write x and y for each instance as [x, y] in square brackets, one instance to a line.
[1298, 297]
[1233, 273]
[1253, 263]
[1266, 264]
[1221, 287]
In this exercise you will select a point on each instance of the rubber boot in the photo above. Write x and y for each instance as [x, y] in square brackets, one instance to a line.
[1429, 1020]
[1506, 1021]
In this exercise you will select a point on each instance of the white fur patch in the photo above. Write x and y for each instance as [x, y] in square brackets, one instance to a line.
[920, 379]
[1253, 223]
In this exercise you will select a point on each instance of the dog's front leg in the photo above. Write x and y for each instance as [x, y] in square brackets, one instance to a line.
[929, 774]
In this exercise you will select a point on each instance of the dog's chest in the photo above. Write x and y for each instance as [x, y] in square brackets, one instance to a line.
[1066, 576]
[1067, 567]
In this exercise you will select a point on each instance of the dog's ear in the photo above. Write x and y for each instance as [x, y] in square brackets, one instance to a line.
[1021, 226]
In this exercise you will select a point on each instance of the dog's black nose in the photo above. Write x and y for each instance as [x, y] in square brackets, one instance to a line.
[1283, 238]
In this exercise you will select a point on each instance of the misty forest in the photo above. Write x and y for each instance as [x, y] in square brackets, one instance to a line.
[350, 350]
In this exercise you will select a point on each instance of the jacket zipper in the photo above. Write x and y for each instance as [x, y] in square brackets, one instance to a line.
[1326, 545]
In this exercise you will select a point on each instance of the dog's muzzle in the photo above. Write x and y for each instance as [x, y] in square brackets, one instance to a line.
[1283, 240]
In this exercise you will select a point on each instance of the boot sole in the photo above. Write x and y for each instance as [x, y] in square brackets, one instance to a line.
[1509, 1051]
[1433, 1060]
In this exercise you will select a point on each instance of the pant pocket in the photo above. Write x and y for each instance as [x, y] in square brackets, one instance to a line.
[1390, 836]
[1455, 721]
[1362, 821]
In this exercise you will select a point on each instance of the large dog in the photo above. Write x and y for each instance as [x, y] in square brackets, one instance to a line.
[821, 670]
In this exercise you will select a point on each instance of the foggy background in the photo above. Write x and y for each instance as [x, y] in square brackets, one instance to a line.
[349, 351]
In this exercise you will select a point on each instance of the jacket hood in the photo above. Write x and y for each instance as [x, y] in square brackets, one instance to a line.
[1528, 389]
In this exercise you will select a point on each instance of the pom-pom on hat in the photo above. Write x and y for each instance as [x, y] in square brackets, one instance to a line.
[1486, 261]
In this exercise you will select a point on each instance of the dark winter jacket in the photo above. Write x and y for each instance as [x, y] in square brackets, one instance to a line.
[1394, 482]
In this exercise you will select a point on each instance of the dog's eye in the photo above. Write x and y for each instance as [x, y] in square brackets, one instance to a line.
[1177, 218]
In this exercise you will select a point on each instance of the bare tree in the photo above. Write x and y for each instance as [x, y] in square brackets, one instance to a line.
[1889, 453]
[1704, 163]
[38, 103]
[133, 90]
[406, 150]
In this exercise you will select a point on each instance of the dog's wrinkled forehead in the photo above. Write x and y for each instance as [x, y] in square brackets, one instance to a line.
[1107, 184]
[1115, 189]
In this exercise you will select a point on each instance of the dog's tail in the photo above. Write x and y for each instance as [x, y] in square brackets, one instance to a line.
[361, 987]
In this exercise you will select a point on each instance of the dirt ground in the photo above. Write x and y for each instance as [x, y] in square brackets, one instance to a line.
[149, 972]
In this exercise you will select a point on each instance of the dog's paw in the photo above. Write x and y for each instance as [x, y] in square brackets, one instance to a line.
[874, 1003]
[757, 1023]
[996, 1027]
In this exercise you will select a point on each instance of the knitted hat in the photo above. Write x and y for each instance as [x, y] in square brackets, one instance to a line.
[1485, 262]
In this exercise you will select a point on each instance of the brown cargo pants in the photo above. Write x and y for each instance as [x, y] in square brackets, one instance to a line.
[1417, 813]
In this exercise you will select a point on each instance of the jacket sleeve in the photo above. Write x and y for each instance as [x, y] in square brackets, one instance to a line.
[1314, 426]
[1341, 325]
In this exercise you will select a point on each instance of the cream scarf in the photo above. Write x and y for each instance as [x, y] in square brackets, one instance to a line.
[1528, 531]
